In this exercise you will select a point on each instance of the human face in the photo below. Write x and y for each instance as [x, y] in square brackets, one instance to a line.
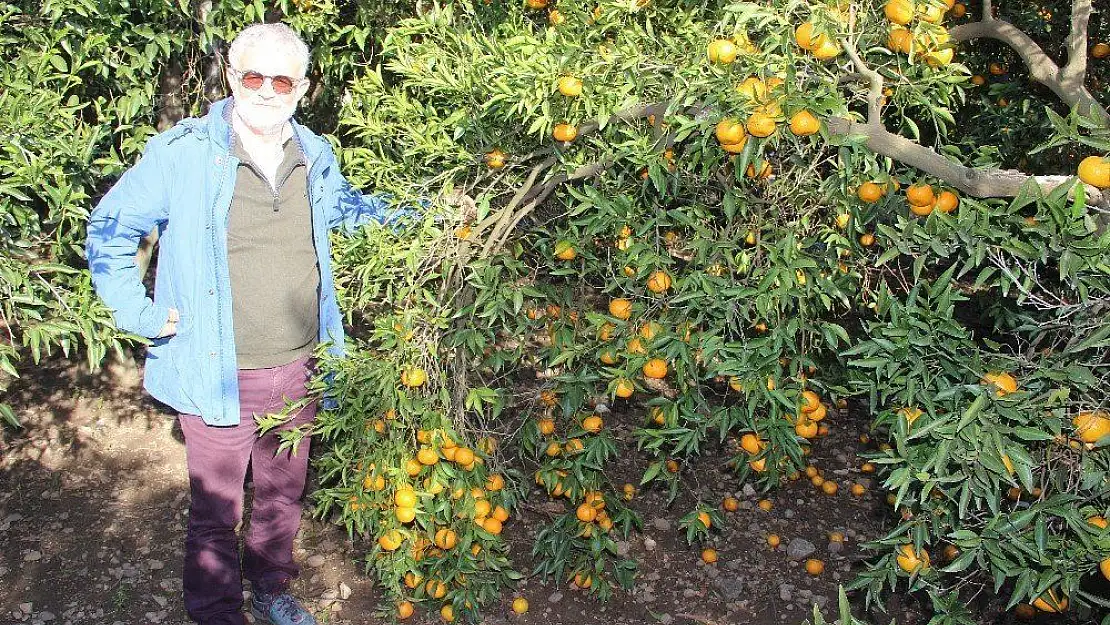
[265, 111]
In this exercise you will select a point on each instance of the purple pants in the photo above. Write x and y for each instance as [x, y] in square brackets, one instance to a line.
[217, 459]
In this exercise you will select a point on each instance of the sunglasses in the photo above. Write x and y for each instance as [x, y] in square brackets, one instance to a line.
[283, 85]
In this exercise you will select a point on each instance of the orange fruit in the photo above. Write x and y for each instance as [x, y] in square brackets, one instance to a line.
[520, 605]
[1100, 50]
[404, 610]
[751, 443]
[805, 428]
[721, 51]
[978, 80]
[730, 132]
[959, 10]
[570, 87]
[899, 11]
[446, 538]
[672, 466]
[765, 505]
[1003, 382]
[709, 555]
[582, 580]
[1098, 522]
[764, 172]
[492, 525]
[759, 465]
[494, 160]
[869, 192]
[656, 368]
[826, 50]
[951, 552]
[546, 426]
[900, 40]
[803, 36]
[815, 566]
[564, 250]
[760, 124]
[405, 498]
[592, 423]
[1049, 602]
[810, 401]
[659, 281]
[858, 490]
[620, 308]
[912, 562]
[636, 346]
[500, 513]
[997, 69]
[464, 456]
[435, 589]
[1091, 426]
[427, 456]
[920, 195]
[705, 520]
[413, 377]
[624, 388]
[447, 612]
[1025, 612]
[773, 540]
[536, 5]
[391, 540]
[1095, 171]
[947, 202]
[1104, 567]
[830, 487]
[730, 504]
[564, 133]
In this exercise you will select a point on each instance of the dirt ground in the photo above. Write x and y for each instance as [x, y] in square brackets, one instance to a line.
[94, 500]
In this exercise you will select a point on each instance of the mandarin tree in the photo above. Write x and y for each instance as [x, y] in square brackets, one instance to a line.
[732, 217]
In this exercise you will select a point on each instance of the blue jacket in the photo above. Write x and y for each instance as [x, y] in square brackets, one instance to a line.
[183, 186]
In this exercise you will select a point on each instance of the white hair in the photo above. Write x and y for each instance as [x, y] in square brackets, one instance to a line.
[277, 34]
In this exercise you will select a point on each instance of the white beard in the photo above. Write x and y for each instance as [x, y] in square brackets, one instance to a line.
[265, 120]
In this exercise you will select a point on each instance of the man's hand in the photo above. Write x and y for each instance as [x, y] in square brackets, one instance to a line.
[466, 204]
[170, 328]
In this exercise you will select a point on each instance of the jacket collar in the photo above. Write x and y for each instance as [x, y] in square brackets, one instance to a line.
[219, 130]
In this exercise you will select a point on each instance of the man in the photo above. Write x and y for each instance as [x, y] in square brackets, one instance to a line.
[243, 199]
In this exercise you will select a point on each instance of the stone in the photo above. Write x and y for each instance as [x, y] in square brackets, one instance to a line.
[555, 597]
[729, 588]
[316, 561]
[749, 490]
[156, 565]
[661, 524]
[32, 556]
[649, 543]
[344, 591]
[623, 547]
[799, 548]
[786, 592]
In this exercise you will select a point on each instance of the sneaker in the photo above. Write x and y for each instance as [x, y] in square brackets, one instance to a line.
[280, 609]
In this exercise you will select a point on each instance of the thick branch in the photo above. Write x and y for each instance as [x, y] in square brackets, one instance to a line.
[1076, 67]
[971, 181]
[1067, 86]
[874, 79]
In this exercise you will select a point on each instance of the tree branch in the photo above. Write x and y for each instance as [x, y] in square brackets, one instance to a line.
[875, 91]
[1076, 67]
[971, 181]
[1066, 84]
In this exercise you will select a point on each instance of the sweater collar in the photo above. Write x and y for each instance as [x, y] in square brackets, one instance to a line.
[219, 129]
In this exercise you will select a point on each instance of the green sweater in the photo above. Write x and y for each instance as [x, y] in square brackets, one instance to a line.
[272, 260]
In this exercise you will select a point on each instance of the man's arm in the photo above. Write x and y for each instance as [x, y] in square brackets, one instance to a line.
[131, 208]
[350, 209]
